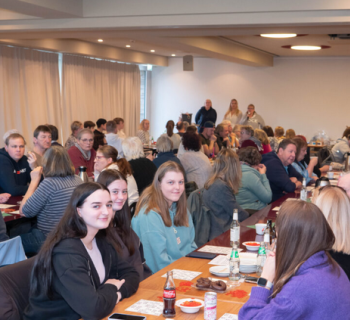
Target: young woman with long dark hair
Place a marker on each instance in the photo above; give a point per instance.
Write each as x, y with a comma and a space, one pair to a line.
77, 273
307, 282
131, 248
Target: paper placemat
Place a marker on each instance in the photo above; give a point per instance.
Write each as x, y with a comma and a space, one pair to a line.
147, 307
220, 261
183, 274
229, 316
218, 250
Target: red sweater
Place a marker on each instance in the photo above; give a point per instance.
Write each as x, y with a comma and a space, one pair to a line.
78, 160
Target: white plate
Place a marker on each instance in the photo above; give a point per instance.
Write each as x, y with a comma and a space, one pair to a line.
220, 271
189, 309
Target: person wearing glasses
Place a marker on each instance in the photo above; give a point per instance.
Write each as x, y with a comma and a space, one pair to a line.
82, 153
300, 279
335, 205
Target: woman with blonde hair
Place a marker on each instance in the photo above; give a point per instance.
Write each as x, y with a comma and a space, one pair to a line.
262, 137
233, 114
107, 158
219, 192
162, 221
300, 280
143, 133
290, 134
335, 205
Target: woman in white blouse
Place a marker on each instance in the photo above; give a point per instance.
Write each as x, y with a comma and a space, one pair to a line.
233, 114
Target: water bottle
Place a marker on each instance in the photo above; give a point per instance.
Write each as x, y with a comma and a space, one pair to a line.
235, 229
303, 191
261, 259
82, 174
234, 264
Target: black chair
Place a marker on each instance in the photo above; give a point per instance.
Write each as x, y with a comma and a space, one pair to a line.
190, 187
14, 289
132, 209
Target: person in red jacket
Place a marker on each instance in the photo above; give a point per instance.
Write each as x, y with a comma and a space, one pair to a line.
82, 153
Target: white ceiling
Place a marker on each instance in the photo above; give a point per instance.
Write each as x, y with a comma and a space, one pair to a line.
90, 20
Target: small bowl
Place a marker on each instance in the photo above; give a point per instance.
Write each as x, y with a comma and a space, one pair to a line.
189, 309
252, 248
260, 228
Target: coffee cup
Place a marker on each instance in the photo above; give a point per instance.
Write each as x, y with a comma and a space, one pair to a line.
260, 228
330, 175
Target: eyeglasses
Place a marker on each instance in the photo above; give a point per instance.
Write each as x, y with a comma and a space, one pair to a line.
88, 140
331, 186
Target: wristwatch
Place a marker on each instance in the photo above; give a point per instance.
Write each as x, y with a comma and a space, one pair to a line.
262, 282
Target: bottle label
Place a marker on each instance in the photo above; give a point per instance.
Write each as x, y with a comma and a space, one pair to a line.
262, 250
234, 234
267, 237
169, 294
236, 254
303, 194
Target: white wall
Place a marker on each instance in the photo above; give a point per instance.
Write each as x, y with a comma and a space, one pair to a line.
306, 94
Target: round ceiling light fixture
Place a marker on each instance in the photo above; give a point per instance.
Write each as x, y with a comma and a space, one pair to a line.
100, 40
278, 35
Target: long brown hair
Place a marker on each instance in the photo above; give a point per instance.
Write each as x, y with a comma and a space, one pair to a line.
71, 225
302, 231
111, 152
152, 197
227, 168
170, 128
122, 218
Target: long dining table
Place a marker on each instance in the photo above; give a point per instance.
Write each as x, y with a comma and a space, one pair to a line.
228, 302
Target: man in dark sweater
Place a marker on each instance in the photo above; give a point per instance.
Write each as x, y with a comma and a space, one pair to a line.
14, 167
204, 114
282, 176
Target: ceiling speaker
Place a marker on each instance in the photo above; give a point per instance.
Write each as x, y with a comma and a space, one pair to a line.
188, 63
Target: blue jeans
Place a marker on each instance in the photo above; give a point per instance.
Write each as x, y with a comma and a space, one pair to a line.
32, 241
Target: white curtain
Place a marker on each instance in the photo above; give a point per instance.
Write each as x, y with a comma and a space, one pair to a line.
93, 89
29, 90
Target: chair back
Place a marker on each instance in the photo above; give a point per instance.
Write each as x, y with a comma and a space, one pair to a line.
200, 216
132, 209
11, 251
190, 187
14, 289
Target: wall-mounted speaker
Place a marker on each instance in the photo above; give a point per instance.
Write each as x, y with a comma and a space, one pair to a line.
188, 63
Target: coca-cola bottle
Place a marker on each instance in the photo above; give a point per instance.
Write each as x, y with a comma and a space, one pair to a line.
169, 296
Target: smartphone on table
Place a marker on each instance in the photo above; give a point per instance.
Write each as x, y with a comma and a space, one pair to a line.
251, 279
120, 316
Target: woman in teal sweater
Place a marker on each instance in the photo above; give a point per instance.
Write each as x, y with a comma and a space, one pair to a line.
255, 192
162, 221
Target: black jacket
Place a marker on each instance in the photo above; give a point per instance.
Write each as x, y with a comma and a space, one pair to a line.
77, 291
14, 176
143, 171
204, 115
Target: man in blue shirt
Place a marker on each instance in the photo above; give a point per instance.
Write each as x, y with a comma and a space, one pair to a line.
282, 176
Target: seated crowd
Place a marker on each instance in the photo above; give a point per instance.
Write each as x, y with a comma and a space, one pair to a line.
95, 241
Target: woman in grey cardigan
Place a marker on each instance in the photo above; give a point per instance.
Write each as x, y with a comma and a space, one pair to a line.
219, 192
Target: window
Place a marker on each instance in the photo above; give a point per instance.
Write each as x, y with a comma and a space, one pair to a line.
143, 94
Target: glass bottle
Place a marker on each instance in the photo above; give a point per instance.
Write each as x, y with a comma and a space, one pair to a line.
303, 191
235, 230
234, 264
261, 259
169, 296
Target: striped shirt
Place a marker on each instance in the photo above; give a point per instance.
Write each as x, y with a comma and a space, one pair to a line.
143, 135
50, 200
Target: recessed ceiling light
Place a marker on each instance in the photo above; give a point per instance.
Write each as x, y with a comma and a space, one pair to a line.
100, 40
173, 55
279, 35
306, 47
128, 45
153, 50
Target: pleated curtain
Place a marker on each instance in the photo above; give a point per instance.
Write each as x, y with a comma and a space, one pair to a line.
93, 89
29, 90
